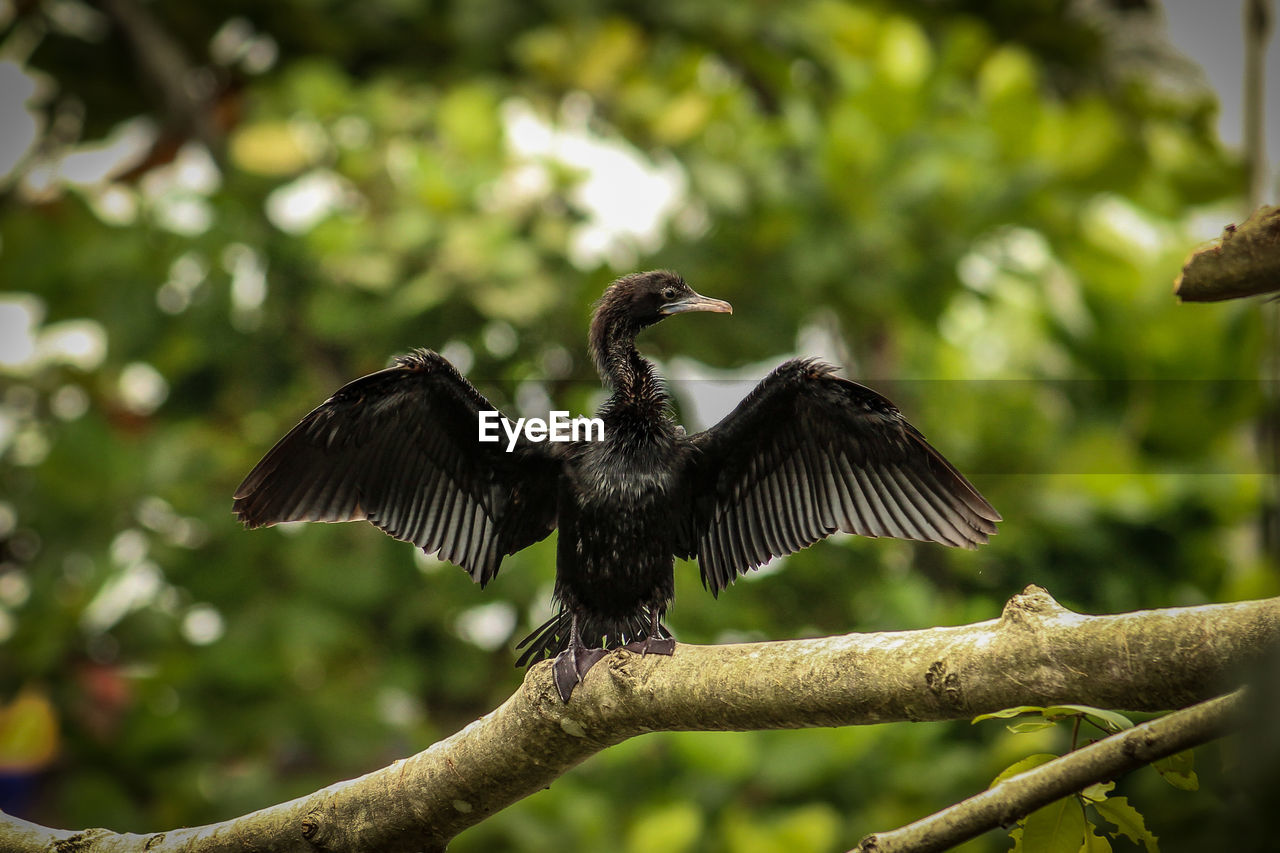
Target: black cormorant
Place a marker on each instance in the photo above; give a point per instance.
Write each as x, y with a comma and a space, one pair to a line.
807, 453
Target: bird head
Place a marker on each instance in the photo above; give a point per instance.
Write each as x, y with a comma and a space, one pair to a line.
642, 299
638, 300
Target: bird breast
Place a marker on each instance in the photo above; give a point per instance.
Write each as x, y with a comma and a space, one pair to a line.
626, 473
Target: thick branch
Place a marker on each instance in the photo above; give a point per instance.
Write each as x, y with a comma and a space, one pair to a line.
1036, 653
1103, 761
1245, 261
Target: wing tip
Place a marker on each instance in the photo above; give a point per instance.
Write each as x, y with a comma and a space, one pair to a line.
251, 513
247, 517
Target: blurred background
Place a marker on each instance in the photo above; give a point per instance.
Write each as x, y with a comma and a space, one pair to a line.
212, 215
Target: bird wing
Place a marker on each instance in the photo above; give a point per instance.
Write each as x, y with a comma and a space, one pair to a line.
400, 448
808, 453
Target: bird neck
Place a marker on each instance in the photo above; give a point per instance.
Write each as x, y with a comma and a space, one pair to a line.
622, 369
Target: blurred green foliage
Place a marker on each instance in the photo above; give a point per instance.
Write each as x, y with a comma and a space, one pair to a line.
978, 208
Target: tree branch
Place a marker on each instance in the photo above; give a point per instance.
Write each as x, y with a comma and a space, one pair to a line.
1037, 652
1245, 261
1257, 29
164, 65
1099, 762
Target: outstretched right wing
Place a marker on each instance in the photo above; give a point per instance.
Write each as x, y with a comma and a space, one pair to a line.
808, 453
400, 448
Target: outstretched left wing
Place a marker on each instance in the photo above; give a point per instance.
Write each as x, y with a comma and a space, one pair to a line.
400, 448
808, 453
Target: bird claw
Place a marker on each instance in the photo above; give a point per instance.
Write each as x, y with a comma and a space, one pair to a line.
570, 666
652, 646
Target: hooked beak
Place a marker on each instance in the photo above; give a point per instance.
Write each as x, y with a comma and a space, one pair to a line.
696, 302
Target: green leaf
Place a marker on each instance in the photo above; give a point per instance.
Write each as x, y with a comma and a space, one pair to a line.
1104, 719
1184, 782
1097, 793
1093, 842
1057, 828
1010, 712
1022, 766
1179, 771
1129, 822
1179, 762
1030, 726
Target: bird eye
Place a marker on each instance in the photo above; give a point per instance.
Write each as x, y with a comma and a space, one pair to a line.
669, 293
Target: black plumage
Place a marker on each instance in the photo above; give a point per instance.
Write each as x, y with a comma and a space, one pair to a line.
807, 453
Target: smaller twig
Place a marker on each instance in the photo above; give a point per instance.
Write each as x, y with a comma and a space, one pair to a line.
1102, 761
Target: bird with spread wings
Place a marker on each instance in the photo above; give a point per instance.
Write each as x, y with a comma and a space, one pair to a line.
805, 454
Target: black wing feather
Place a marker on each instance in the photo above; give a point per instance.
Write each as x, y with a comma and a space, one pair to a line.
399, 448
808, 453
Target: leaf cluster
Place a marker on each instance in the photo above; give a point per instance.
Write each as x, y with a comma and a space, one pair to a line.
1077, 823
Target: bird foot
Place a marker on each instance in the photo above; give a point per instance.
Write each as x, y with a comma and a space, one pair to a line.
652, 646
570, 666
